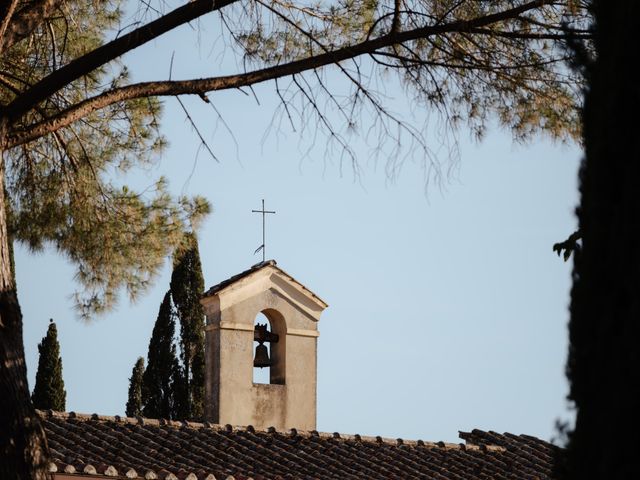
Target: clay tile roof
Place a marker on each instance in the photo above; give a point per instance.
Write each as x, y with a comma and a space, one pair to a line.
258, 266
225, 283
139, 448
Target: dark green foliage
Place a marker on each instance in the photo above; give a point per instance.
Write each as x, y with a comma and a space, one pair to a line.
174, 388
604, 330
49, 392
60, 189
134, 402
187, 285
180, 393
568, 246
196, 386
159, 377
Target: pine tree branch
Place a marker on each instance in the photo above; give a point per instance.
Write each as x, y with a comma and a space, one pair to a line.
395, 23
522, 35
7, 9
200, 86
25, 21
108, 52
569, 246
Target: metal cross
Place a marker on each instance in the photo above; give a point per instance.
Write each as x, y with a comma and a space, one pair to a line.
263, 212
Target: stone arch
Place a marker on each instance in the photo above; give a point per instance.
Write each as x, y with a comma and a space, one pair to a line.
276, 324
261, 375
278, 350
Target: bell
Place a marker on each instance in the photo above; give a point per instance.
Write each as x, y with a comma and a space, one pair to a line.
262, 357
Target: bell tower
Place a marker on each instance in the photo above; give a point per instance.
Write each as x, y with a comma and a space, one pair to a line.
286, 345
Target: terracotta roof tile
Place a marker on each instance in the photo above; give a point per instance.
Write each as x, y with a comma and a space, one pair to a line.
225, 283
258, 266
142, 448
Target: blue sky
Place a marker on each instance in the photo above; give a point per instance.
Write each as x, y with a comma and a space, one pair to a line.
448, 309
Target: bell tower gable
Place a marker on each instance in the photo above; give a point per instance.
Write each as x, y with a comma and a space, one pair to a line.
286, 344
265, 277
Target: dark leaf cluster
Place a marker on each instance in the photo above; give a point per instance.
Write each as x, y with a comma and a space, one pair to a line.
162, 375
172, 385
49, 392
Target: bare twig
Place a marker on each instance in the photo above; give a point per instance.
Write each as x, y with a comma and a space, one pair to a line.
203, 142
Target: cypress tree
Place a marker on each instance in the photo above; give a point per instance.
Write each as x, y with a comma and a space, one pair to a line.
187, 285
134, 402
49, 392
159, 378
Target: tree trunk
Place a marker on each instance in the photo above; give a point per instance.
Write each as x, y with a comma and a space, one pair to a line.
604, 330
23, 447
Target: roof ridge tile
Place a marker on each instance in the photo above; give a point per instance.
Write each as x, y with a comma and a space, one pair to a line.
243, 451
110, 471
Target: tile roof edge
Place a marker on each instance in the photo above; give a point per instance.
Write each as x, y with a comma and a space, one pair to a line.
220, 286
293, 432
87, 470
301, 285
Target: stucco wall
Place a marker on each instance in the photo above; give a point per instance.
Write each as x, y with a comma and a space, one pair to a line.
231, 395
